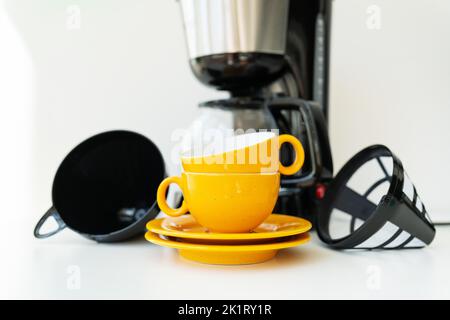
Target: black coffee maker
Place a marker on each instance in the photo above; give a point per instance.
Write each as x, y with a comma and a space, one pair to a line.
272, 56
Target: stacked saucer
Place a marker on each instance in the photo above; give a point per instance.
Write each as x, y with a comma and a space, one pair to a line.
195, 242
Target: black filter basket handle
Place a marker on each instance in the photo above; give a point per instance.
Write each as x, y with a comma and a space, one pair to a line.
406, 213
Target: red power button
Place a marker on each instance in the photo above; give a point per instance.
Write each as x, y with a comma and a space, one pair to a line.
320, 191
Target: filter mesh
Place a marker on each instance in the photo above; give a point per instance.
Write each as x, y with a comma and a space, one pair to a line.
364, 190
372, 204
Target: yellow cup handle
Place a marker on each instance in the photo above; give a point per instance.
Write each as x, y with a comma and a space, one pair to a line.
161, 197
299, 154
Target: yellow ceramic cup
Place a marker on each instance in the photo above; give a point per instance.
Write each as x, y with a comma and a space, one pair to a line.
248, 153
224, 202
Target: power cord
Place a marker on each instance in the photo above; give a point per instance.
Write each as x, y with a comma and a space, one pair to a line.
442, 224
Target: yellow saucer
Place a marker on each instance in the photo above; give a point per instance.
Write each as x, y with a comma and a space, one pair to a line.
275, 226
228, 254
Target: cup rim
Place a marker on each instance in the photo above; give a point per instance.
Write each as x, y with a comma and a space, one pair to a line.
231, 173
265, 135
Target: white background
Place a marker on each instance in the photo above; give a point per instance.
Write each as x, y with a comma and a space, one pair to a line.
126, 67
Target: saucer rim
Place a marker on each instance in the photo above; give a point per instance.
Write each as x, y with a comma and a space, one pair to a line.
292, 242
155, 226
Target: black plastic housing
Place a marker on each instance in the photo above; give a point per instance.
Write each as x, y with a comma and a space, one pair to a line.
240, 73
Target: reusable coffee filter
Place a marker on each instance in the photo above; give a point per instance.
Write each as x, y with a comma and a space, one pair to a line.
372, 204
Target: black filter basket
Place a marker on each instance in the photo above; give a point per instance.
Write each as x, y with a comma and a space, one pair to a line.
372, 204
105, 188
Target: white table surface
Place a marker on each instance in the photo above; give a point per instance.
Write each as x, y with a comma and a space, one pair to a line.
31, 268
